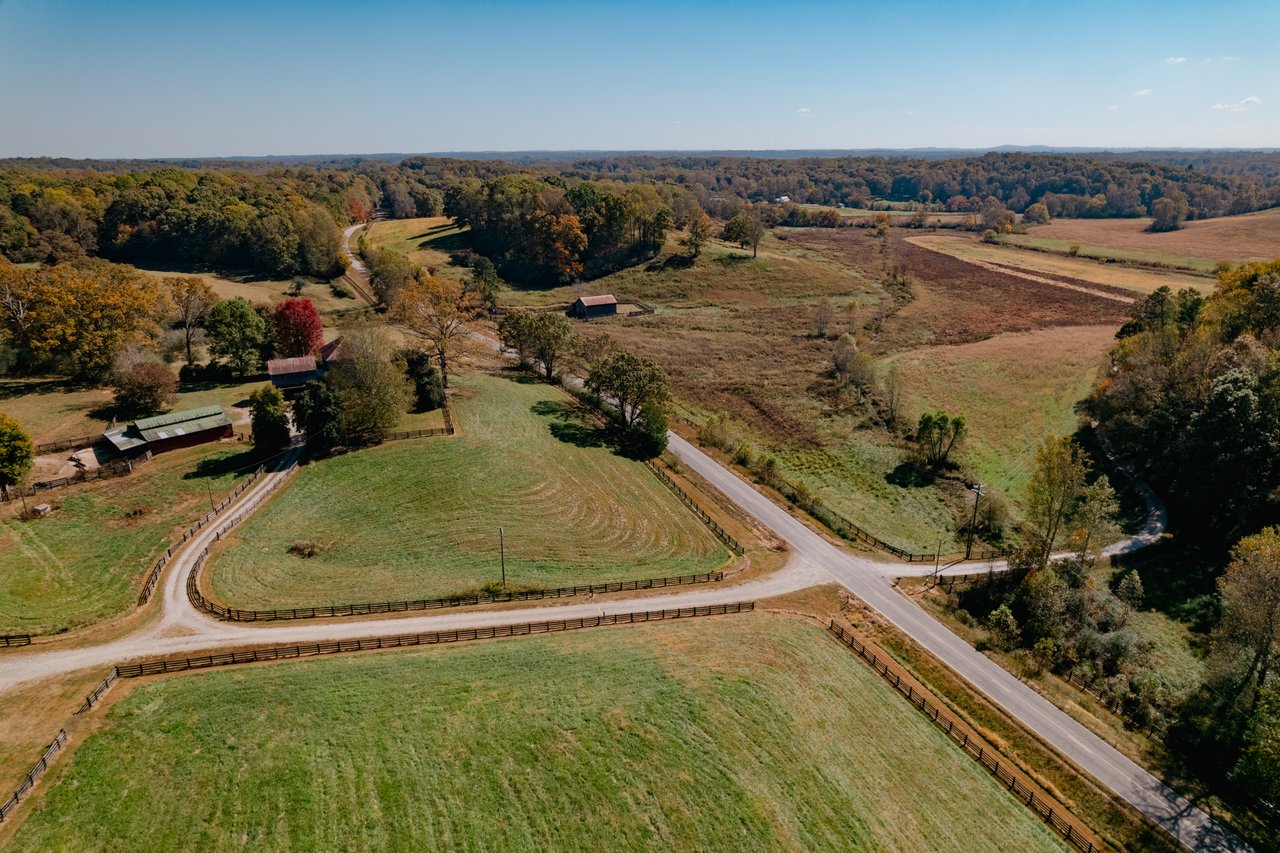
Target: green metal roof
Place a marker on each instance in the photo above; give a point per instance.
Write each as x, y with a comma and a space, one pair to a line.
186, 427
178, 417
124, 438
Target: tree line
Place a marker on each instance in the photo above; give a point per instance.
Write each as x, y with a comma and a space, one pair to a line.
281, 224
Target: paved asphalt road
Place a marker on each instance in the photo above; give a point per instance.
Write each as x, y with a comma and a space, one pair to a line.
867, 580
182, 629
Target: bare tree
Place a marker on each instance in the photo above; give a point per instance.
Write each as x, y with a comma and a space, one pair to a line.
823, 316
194, 299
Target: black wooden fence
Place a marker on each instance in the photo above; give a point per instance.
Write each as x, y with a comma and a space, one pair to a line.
720, 532
96, 696
67, 444
36, 772
122, 468
153, 576
167, 665
7, 640
234, 614
1052, 813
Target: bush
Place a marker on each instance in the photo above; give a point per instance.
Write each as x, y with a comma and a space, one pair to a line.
428, 390
144, 387
212, 372
304, 549
340, 290
270, 423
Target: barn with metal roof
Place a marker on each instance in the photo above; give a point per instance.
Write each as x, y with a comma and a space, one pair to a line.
171, 431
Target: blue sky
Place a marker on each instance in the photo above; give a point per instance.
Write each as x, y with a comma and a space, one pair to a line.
128, 78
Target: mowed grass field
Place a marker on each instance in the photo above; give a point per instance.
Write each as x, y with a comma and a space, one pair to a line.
85, 561
51, 408
1054, 267
1199, 244
257, 290
659, 737
420, 518
1012, 389
428, 241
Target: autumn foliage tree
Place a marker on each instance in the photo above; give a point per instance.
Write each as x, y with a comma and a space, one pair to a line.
298, 328
17, 453
436, 311
143, 385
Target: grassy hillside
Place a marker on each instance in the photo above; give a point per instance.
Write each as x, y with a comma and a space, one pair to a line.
1198, 245
662, 737
85, 561
420, 519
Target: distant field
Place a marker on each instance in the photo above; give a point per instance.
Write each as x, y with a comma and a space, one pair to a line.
736, 335
84, 562
1082, 270
660, 737
420, 518
50, 408
1012, 389
258, 290
1199, 244
427, 241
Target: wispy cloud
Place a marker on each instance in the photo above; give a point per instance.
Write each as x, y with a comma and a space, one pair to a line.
1175, 60
1240, 106
804, 111
1114, 107
1142, 93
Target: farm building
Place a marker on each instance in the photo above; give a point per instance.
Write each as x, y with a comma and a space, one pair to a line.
288, 374
588, 307
171, 431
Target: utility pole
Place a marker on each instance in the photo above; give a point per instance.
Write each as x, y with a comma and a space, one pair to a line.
976, 488
502, 555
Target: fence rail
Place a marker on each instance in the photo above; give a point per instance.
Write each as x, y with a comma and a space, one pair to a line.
233, 614
67, 444
36, 772
159, 667
121, 468
687, 499
1052, 813
7, 640
96, 696
153, 577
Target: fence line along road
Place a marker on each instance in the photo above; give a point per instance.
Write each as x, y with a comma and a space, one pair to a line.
153, 577
429, 638
1051, 812
96, 696
687, 499
234, 614
36, 772
8, 640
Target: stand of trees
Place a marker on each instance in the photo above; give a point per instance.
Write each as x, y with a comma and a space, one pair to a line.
548, 231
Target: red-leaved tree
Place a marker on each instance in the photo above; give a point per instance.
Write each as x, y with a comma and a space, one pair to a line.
298, 328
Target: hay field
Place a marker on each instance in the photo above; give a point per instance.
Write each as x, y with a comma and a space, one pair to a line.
658, 737
420, 518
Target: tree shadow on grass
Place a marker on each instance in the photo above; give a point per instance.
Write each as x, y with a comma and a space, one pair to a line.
573, 425
911, 475
223, 466
670, 262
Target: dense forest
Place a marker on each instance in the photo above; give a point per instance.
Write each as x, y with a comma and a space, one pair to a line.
550, 231
549, 220
282, 223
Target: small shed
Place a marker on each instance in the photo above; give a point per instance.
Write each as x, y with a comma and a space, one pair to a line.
290, 373
588, 307
171, 431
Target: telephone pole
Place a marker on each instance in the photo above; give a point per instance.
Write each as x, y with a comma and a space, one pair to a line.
973, 523
502, 555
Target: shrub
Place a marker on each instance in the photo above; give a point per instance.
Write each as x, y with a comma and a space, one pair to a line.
304, 549
270, 423
144, 387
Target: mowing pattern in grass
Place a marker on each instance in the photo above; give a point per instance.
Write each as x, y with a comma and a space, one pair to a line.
659, 737
85, 561
420, 519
